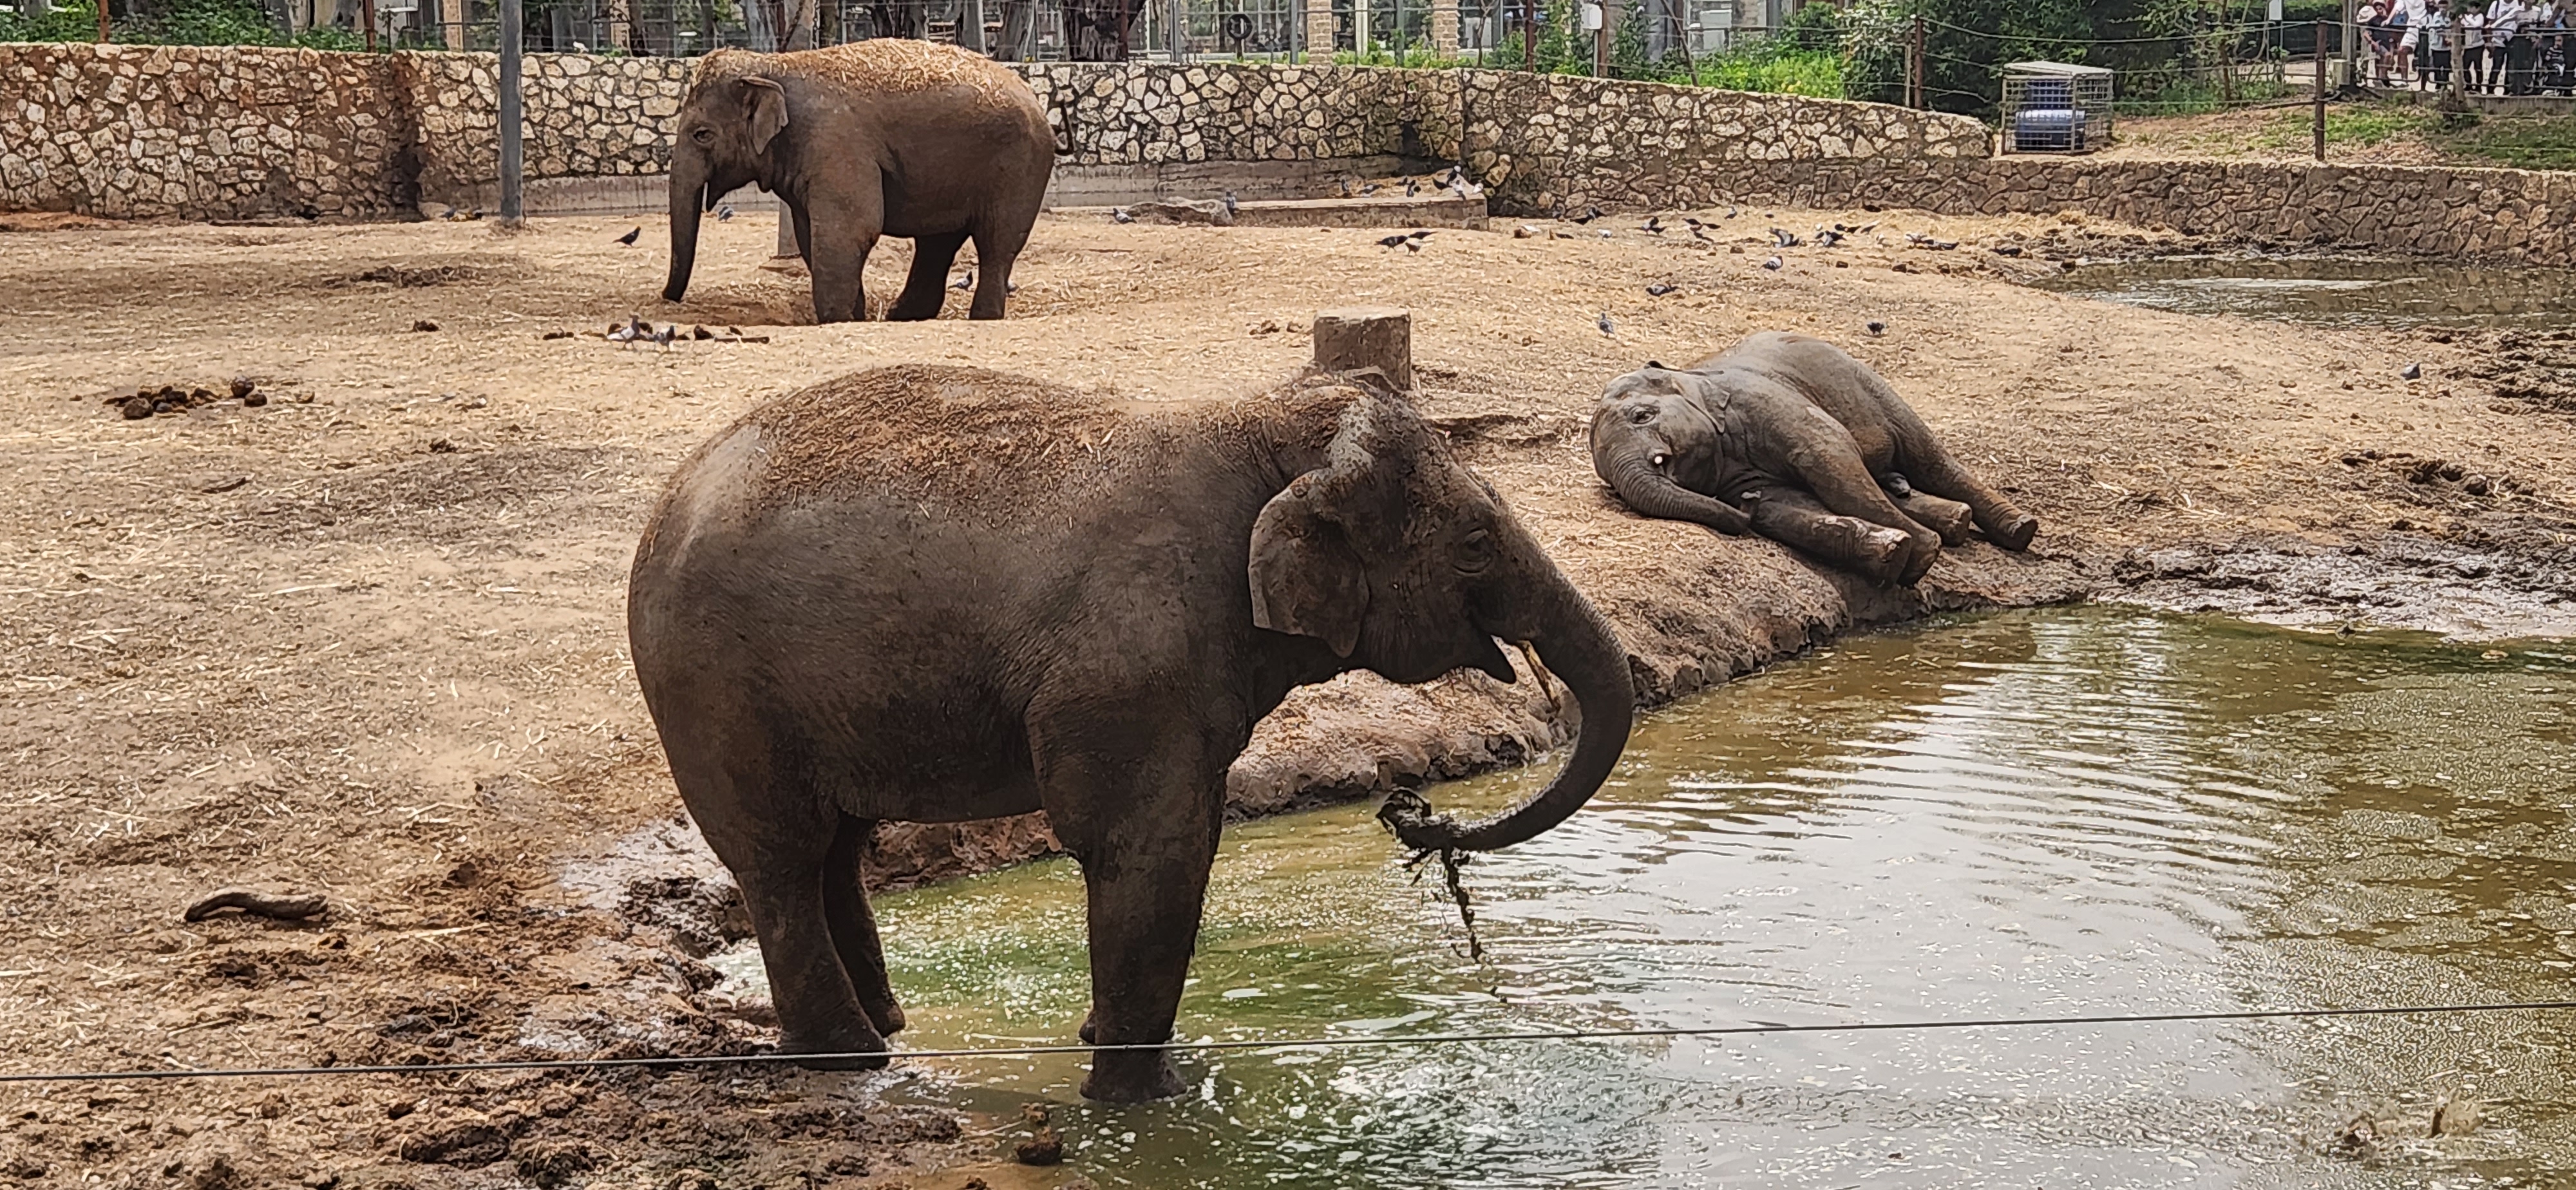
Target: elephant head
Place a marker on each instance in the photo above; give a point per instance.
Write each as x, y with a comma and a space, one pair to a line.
1407, 564
728, 138
1652, 427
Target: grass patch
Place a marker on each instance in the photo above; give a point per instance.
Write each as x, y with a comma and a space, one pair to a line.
2363, 124
2520, 142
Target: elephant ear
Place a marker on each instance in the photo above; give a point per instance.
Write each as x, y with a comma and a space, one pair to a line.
766, 102
1308, 578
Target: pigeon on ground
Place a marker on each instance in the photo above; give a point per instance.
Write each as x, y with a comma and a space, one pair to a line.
1422, 234
579, 48
1369, 189
1730, 212
1605, 233
723, 213
1604, 323
1827, 237
1701, 234
1229, 204
1877, 328
964, 281
663, 336
1120, 215
622, 334
1659, 289
2412, 372
1589, 214
448, 215
629, 238
1394, 241
1411, 188
1772, 264
1654, 225
1413, 245
1782, 238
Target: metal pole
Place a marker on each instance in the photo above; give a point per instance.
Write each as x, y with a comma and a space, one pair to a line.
2321, 91
512, 151
369, 14
1914, 64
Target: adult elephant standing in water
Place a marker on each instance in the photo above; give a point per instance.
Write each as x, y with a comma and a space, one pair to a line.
1789, 437
884, 137
936, 594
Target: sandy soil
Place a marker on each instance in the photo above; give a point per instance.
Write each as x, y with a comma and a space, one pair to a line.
366, 640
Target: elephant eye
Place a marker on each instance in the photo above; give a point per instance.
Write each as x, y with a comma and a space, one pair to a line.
704, 136
1475, 552
1642, 414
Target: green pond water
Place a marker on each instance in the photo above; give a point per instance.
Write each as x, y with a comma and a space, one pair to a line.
2043, 813
2331, 289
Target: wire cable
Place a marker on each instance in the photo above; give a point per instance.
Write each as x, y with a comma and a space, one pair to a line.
1358, 1042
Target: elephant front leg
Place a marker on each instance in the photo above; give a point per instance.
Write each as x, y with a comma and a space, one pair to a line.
838, 237
1136, 802
926, 289
1794, 518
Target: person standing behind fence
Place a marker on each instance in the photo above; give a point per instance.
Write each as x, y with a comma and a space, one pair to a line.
2471, 31
2406, 20
2374, 38
2508, 29
2437, 45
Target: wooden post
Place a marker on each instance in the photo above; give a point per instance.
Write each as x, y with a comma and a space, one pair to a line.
513, 151
2321, 91
367, 12
104, 36
1914, 65
1356, 337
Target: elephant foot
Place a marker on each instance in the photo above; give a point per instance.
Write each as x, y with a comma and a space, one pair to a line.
861, 1048
1918, 563
2016, 534
1881, 554
1131, 1077
908, 309
1090, 1030
887, 1017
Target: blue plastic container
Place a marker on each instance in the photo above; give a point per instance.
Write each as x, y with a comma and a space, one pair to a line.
2048, 130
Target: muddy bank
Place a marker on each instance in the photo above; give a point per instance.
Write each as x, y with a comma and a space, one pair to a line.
366, 641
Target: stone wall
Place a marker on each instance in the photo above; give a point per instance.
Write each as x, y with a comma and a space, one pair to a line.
146, 131
205, 133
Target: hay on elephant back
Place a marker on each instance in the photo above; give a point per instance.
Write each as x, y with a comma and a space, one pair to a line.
890, 64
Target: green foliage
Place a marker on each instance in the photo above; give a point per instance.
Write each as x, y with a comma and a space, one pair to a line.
77, 22
206, 22
2525, 142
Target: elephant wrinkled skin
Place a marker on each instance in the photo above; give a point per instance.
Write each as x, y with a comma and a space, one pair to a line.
884, 137
936, 594
1788, 437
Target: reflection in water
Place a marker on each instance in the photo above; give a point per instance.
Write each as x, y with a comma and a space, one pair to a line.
2331, 289
2032, 813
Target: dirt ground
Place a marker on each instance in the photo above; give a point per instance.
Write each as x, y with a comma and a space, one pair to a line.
366, 640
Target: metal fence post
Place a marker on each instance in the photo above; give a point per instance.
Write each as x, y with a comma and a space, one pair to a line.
512, 151
2321, 91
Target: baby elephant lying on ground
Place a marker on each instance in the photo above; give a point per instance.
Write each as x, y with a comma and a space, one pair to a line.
1788, 437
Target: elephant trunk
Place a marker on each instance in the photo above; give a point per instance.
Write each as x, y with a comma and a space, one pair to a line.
1578, 645
688, 201
1653, 493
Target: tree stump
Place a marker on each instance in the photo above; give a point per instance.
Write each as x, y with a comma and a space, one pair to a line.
1356, 337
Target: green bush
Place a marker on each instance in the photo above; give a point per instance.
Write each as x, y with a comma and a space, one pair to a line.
70, 23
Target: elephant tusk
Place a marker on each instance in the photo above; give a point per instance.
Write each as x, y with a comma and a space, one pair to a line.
1661, 459
1529, 653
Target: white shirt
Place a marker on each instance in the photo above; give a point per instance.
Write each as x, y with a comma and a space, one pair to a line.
2505, 19
2473, 31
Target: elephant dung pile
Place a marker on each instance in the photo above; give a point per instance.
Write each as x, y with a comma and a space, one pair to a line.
170, 398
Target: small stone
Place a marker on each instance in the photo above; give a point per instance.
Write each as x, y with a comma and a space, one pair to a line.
1045, 1148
